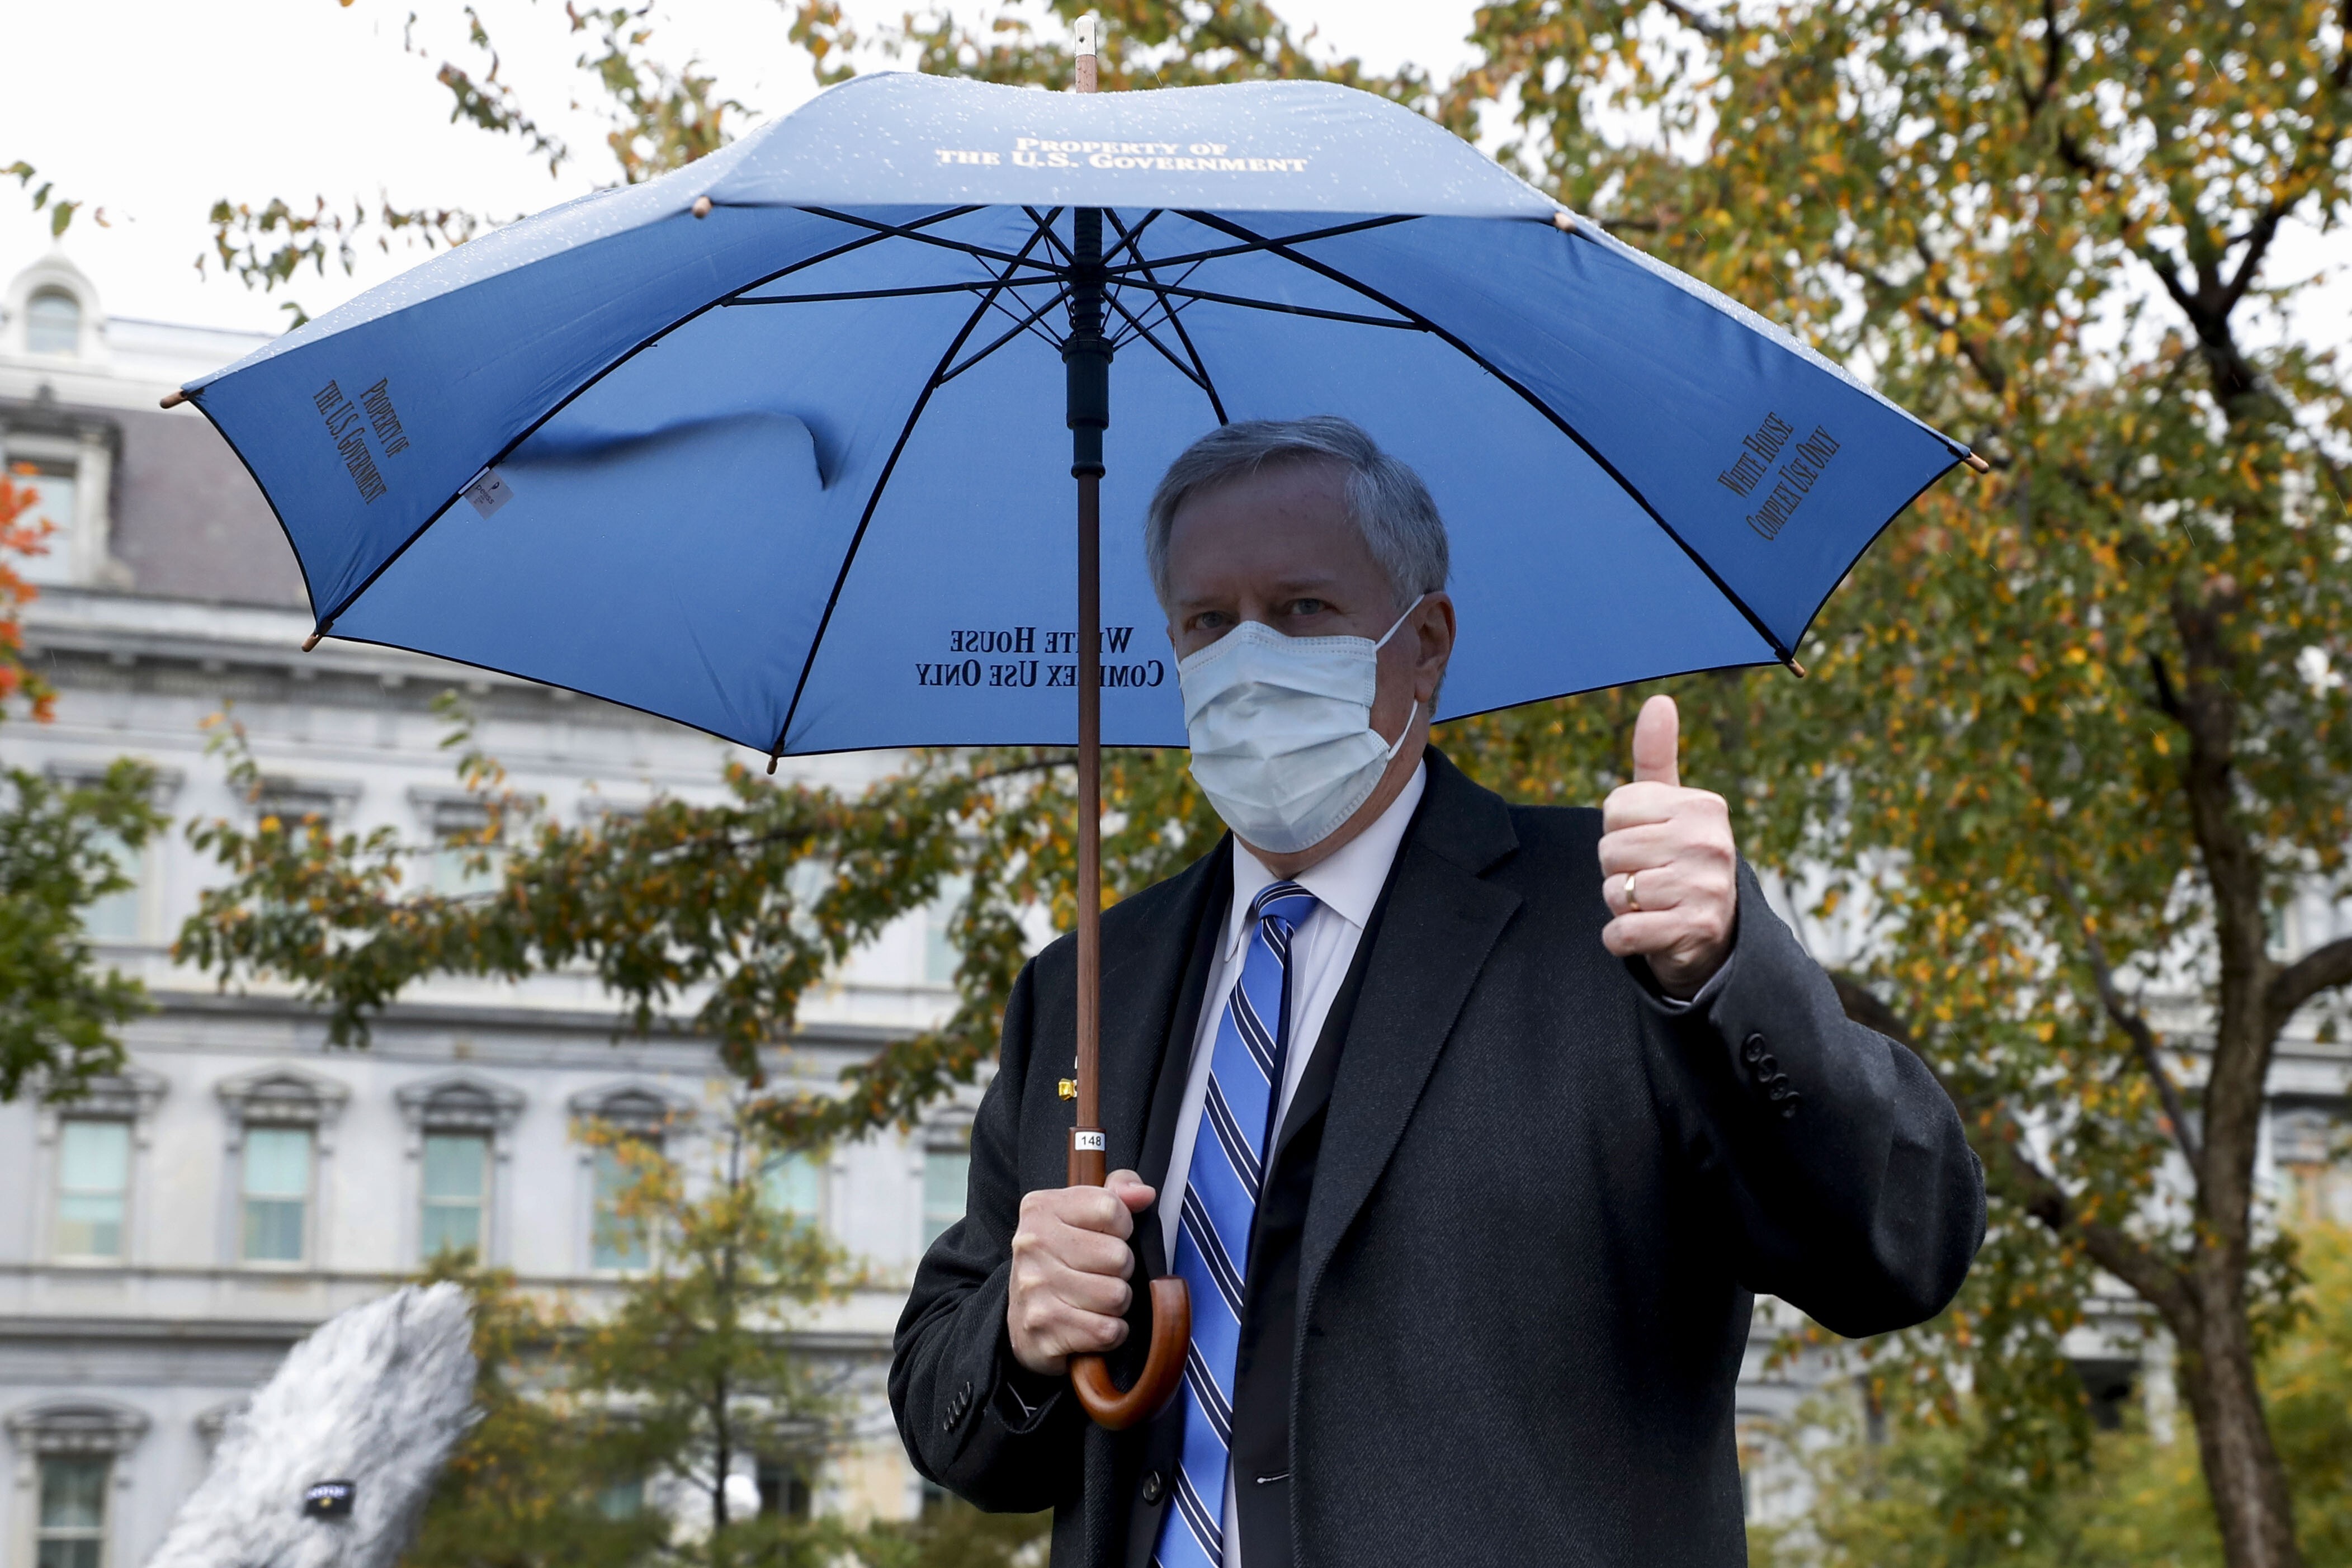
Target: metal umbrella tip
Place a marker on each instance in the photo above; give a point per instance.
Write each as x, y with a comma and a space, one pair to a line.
311, 641
702, 206
173, 398
1975, 463
1564, 221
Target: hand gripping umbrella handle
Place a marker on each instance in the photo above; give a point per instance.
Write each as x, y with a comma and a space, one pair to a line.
1163, 1368
1172, 1327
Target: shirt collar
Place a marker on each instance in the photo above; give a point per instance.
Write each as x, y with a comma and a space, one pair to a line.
1348, 882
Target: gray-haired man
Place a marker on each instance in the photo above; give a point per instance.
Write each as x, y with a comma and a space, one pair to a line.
1472, 1126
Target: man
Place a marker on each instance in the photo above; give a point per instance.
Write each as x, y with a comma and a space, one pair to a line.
1471, 1127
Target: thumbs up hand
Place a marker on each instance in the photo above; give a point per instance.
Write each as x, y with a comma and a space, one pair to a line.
1668, 867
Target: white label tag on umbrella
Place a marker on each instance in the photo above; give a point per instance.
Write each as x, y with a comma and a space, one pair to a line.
1090, 1140
488, 492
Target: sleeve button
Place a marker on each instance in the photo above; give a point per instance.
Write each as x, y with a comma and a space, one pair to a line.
1155, 1486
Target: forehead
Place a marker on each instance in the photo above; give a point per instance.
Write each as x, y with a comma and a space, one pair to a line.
1284, 525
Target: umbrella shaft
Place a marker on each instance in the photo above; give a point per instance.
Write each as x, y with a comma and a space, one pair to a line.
1086, 356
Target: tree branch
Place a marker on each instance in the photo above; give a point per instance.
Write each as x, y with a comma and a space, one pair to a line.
2134, 1024
1706, 28
2321, 969
2034, 1190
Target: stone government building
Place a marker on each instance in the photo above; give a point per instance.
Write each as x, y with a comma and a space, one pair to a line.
164, 1240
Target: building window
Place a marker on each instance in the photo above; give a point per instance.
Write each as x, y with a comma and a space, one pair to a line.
940, 955
460, 1130
465, 859
277, 1191
118, 916
72, 1522
93, 1187
53, 323
622, 1500
53, 486
457, 1193
616, 1242
793, 1185
946, 1173
785, 1491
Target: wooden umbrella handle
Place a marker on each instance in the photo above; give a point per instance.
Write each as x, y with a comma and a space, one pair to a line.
1163, 1368
1088, 356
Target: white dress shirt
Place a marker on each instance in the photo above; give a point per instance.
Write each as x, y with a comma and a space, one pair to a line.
1345, 885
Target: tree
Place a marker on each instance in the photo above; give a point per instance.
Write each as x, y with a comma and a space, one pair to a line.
2139, 1502
59, 853
527, 1487
694, 1365
2076, 740
688, 1371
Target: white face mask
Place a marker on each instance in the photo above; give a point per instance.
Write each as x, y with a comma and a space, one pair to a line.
1283, 743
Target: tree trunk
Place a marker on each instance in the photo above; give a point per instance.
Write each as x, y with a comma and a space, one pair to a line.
2252, 1505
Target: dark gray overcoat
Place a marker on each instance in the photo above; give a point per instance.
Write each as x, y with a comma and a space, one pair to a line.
1521, 1280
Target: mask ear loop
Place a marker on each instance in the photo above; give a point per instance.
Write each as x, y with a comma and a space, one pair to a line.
1400, 620
1414, 711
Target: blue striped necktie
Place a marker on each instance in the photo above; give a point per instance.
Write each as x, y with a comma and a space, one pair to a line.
1221, 1190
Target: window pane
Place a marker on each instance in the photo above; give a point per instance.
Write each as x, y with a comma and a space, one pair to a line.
115, 917
93, 1170
273, 1230
89, 1225
70, 1530
793, 1184
456, 1164
946, 1173
94, 1156
53, 502
277, 1163
73, 1493
52, 323
616, 1242
452, 1227
457, 1185
940, 955
622, 1500
277, 1190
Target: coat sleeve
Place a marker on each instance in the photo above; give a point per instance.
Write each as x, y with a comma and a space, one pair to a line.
970, 1417
1853, 1194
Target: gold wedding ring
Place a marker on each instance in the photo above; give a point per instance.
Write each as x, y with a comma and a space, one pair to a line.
1632, 900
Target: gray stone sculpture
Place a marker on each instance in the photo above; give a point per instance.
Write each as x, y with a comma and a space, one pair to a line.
376, 1397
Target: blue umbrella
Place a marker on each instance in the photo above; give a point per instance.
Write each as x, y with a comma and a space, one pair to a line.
769, 445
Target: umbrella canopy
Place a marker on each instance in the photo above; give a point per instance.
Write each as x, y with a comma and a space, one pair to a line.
774, 445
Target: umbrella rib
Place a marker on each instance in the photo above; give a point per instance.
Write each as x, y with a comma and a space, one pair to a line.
1281, 248
973, 286
873, 499
983, 252
1144, 332
1259, 243
1132, 240
1023, 324
1246, 303
503, 453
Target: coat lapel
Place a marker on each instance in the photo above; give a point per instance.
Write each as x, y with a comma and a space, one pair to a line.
1145, 956
1441, 923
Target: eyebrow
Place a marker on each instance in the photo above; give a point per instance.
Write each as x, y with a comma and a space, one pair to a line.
1284, 588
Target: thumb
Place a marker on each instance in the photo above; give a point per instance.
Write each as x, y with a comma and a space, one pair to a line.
1132, 1190
1656, 736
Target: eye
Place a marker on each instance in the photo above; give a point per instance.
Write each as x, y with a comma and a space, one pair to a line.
1212, 621
1308, 607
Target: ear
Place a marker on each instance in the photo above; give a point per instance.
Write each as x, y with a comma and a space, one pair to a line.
1433, 628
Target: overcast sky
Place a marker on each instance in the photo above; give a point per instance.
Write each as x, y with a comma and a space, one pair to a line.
155, 108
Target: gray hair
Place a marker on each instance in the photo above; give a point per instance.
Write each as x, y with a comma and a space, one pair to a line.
1386, 500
